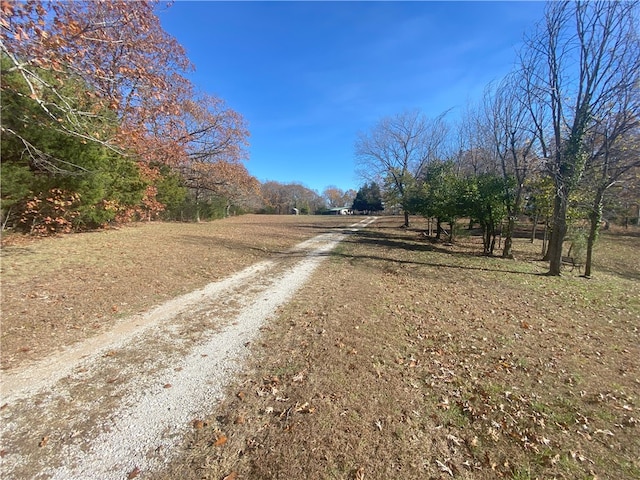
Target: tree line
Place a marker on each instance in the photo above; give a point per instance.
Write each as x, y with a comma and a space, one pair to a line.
287, 198
557, 139
100, 125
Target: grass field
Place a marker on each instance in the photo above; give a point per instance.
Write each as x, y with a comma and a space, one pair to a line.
401, 358
407, 359
56, 291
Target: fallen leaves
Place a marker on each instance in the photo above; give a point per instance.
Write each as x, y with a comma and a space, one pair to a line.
221, 440
304, 408
466, 388
444, 468
133, 473
198, 424
444, 404
455, 440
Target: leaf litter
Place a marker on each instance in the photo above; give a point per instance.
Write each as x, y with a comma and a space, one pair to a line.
538, 374
150, 353
464, 369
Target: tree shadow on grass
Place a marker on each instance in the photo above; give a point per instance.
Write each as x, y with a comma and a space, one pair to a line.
396, 241
628, 275
386, 237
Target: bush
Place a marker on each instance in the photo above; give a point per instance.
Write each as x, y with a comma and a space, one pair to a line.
49, 214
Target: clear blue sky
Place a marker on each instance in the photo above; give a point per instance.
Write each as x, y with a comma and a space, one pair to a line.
308, 76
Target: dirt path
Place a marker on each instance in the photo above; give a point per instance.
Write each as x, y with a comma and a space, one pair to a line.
113, 406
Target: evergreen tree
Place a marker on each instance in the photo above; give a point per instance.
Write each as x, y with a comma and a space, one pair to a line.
52, 181
368, 199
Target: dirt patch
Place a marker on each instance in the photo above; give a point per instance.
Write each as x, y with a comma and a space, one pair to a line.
412, 359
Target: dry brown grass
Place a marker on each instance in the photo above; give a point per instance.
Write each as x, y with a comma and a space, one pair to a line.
56, 291
401, 358
408, 359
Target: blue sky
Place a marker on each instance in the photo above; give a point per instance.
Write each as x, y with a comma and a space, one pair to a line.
309, 76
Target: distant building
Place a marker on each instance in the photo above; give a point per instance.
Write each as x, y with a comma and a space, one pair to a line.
340, 211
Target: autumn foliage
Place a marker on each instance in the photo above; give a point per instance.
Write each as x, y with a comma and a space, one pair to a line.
96, 104
49, 213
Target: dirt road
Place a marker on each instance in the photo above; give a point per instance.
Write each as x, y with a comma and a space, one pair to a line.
115, 405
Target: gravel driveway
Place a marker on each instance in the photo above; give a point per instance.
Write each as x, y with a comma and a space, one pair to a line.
115, 406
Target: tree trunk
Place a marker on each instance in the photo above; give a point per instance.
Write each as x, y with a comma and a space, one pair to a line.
438, 229
557, 234
545, 239
493, 243
486, 238
513, 213
6, 219
595, 218
406, 219
508, 239
536, 217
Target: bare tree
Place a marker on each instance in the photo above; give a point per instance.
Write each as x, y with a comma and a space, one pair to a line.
476, 150
608, 166
282, 198
336, 197
397, 149
580, 59
512, 136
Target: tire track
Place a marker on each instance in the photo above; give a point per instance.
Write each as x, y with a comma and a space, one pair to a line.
121, 401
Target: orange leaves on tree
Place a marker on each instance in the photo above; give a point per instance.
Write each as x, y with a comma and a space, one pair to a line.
113, 47
7, 8
336, 197
106, 71
50, 212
